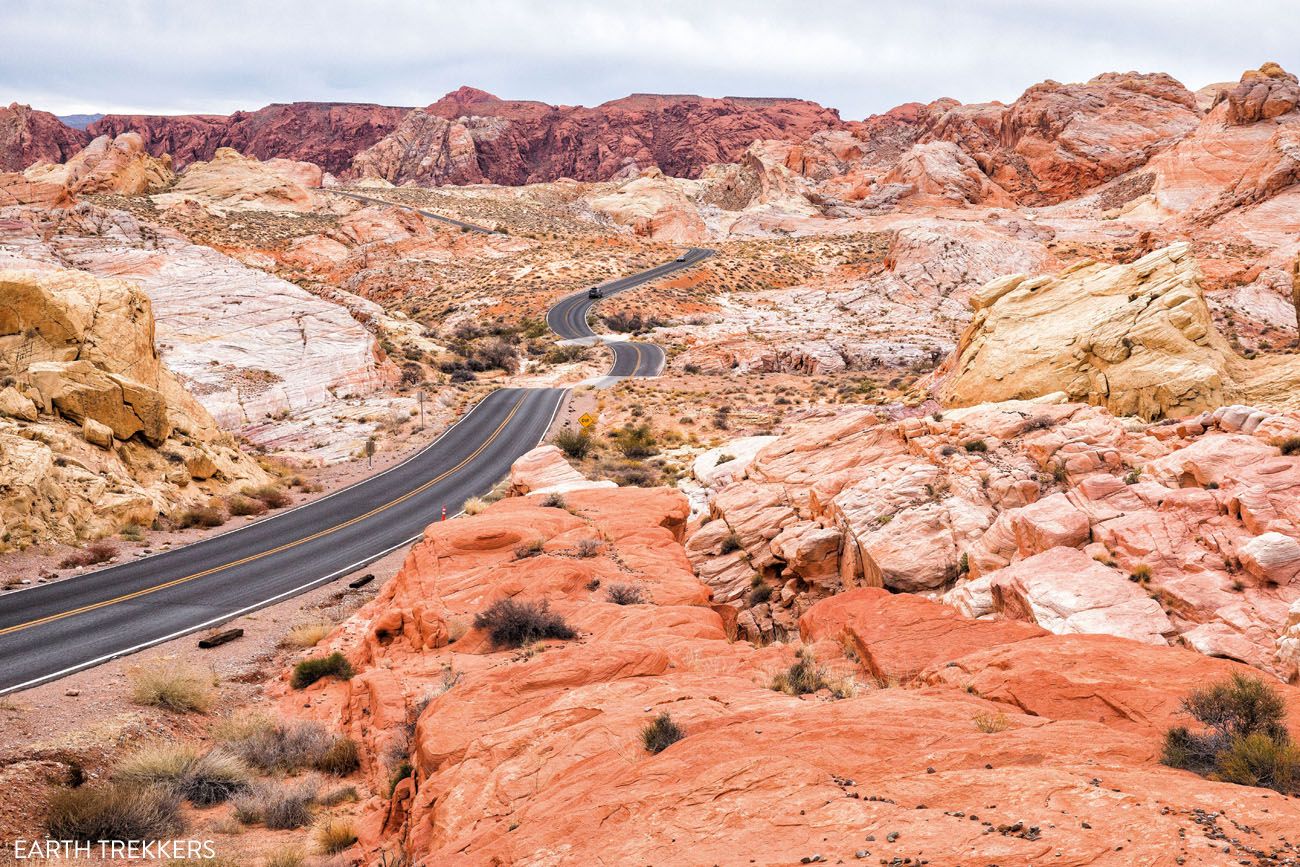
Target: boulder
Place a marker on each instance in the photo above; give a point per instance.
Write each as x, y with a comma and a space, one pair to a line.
15, 404
97, 434
545, 471
80, 391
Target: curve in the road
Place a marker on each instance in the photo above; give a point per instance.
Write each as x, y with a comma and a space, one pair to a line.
52, 630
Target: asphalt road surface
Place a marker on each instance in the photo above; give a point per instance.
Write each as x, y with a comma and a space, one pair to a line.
568, 318
51, 630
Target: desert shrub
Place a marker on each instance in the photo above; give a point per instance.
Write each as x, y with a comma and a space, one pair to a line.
804, 676
512, 623
241, 506
574, 443
1261, 760
92, 555
731, 543
459, 376
588, 547
340, 758
565, 354
278, 806
661, 734
759, 594
401, 772
1141, 573
202, 778
991, 723
1244, 737
474, 505
555, 501
637, 442
113, 812
311, 670
280, 747
335, 835
273, 496
179, 688
1039, 422
307, 634
524, 550
1290, 446
976, 446
201, 516
625, 594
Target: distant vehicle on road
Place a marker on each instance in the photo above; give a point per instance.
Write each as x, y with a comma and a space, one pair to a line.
595, 292
681, 258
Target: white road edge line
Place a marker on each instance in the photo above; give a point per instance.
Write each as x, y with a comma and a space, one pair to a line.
256, 605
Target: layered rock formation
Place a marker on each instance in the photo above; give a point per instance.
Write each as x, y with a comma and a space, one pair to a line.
1135, 338
1052, 513
233, 181
247, 344
95, 432
28, 137
118, 165
535, 756
470, 136
327, 134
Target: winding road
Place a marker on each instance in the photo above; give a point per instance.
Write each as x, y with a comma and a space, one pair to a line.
52, 630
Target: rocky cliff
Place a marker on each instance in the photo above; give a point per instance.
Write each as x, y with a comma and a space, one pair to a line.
95, 431
327, 134
926, 736
28, 136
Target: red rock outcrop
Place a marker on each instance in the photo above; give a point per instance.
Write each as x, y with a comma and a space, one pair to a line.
28, 136
1010, 746
470, 136
325, 133
1263, 94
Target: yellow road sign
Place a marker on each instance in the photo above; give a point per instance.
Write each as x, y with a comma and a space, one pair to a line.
586, 420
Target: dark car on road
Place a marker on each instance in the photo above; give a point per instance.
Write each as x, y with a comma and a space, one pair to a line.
595, 292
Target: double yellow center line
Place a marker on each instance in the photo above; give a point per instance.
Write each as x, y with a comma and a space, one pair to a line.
126, 597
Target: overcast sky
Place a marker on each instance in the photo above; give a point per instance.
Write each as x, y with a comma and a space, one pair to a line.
860, 57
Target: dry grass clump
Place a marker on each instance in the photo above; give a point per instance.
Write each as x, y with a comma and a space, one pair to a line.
92, 555
286, 856
475, 506
271, 496
201, 516
991, 723
202, 778
335, 835
286, 748
524, 550
176, 687
114, 812
803, 677
241, 506
625, 594
587, 548
307, 634
278, 806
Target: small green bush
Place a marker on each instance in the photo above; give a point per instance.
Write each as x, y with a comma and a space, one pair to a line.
1244, 739
661, 734
311, 670
575, 444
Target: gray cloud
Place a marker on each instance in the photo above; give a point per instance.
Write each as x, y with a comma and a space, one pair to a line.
859, 57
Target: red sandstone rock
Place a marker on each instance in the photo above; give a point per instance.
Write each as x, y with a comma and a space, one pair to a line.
28, 136
327, 134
